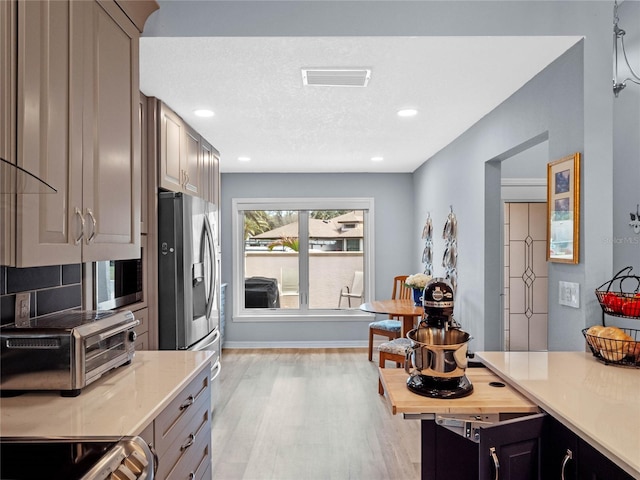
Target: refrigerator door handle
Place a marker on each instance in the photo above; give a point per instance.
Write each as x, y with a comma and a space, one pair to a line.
214, 340
217, 368
212, 260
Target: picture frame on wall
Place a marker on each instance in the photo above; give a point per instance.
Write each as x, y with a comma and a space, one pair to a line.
563, 209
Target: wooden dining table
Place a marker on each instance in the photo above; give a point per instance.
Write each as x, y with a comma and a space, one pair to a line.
403, 308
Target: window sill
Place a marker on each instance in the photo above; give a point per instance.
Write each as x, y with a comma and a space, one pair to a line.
280, 316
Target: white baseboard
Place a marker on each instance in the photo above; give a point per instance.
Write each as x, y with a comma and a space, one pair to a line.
299, 344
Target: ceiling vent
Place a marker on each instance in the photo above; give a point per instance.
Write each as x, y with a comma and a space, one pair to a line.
336, 77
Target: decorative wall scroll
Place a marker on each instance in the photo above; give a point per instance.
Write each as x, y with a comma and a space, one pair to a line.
450, 256
563, 209
427, 253
635, 220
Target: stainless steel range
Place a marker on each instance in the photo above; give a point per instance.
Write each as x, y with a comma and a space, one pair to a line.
94, 458
65, 351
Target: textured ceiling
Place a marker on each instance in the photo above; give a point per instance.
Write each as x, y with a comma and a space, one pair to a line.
263, 111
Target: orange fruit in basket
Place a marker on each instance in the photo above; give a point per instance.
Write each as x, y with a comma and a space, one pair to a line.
634, 350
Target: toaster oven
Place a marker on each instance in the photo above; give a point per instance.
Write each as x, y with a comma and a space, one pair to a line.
65, 351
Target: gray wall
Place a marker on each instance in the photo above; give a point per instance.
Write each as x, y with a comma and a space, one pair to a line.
393, 199
547, 107
626, 150
572, 104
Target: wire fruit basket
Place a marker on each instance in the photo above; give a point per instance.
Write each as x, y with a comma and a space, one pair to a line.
620, 296
614, 351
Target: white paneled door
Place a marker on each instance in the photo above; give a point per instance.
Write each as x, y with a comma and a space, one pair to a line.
525, 276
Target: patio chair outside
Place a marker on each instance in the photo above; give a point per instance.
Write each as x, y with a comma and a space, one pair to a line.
289, 281
356, 290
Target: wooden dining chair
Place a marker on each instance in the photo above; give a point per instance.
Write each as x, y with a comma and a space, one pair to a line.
390, 328
394, 351
400, 290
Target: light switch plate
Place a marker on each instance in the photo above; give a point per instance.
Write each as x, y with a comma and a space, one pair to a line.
569, 294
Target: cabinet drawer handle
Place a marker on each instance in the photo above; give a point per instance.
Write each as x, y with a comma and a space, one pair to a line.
565, 460
81, 217
496, 462
188, 403
192, 437
94, 223
192, 475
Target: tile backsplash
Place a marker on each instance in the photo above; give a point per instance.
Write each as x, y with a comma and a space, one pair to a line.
52, 289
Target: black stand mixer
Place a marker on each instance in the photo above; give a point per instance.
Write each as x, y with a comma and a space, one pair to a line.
438, 349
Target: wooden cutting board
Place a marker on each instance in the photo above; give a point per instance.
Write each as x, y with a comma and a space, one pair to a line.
485, 398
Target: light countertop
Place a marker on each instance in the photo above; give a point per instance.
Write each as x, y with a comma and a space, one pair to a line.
598, 402
123, 402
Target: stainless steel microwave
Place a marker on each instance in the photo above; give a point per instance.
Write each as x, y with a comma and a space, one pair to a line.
118, 283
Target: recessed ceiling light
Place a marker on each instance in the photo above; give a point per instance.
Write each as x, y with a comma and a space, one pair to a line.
244, 159
407, 112
377, 159
203, 113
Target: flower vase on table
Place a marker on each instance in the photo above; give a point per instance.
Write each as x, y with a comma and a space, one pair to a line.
417, 296
417, 282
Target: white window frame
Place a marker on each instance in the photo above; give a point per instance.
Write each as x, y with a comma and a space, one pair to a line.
242, 314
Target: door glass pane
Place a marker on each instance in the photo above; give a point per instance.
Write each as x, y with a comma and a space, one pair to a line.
271, 262
336, 259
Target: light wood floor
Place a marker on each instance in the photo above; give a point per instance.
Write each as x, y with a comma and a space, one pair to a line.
308, 414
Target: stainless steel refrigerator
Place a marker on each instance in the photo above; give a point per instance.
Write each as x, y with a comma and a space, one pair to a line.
188, 275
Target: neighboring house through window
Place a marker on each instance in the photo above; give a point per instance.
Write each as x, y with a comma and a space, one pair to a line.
301, 258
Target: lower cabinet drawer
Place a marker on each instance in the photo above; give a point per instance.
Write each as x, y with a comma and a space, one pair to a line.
191, 449
196, 461
207, 474
170, 424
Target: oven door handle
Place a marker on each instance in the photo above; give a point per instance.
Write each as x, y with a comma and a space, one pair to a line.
115, 331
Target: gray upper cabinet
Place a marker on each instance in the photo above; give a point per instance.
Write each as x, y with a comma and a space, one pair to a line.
180, 158
8, 65
211, 169
172, 152
193, 163
187, 163
78, 127
111, 143
143, 123
49, 130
